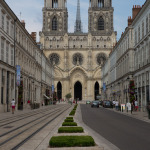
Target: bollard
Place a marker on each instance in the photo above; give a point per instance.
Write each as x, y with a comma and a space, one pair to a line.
122, 108
131, 110
127, 109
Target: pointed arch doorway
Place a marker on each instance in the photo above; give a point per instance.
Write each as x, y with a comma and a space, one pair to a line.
59, 91
96, 90
78, 91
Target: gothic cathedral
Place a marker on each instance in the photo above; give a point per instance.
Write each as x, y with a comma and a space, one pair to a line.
77, 57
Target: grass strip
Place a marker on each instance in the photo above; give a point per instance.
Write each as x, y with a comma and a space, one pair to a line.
70, 130
69, 124
71, 141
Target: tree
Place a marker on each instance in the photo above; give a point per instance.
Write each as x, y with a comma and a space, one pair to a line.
68, 96
131, 91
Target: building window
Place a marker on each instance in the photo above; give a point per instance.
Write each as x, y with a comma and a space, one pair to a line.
57, 46
100, 3
142, 29
139, 34
12, 30
7, 26
2, 49
3, 21
77, 59
97, 46
146, 24
12, 56
54, 23
54, 59
135, 37
149, 22
7, 52
74, 46
101, 58
54, 3
50, 46
80, 46
100, 23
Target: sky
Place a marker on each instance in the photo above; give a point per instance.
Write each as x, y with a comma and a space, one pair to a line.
31, 12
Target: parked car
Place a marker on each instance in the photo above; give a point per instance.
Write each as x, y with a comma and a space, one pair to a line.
108, 104
88, 102
95, 104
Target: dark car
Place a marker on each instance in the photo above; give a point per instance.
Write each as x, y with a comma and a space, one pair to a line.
95, 104
108, 104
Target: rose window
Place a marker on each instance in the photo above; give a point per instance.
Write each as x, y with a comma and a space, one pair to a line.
101, 58
54, 59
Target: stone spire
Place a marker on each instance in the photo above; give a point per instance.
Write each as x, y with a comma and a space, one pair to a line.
78, 24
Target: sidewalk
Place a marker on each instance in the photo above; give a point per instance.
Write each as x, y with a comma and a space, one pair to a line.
141, 115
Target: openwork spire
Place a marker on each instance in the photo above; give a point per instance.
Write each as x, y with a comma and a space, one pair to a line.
78, 24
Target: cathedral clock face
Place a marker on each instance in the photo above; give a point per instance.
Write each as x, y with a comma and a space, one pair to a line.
54, 59
77, 59
101, 58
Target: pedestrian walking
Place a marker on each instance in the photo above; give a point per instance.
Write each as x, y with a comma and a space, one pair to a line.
148, 109
116, 104
13, 105
136, 105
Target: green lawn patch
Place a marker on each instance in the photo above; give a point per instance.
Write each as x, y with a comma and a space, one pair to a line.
69, 120
69, 124
71, 141
70, 130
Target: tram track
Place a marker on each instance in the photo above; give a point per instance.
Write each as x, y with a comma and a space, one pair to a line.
1, 135
24, 116
25, 134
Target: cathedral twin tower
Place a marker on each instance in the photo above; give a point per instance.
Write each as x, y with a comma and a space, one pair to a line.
77, 57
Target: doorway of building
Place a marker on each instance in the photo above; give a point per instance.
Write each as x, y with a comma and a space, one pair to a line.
78, 91
59, 91
96, 90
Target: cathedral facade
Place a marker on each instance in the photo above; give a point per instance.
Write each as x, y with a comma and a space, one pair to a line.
77, 57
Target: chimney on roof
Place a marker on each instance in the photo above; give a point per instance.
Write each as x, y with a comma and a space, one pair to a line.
135, 10
130, 20
23, 23
33, 35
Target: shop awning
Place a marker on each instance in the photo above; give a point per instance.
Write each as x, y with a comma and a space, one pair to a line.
46, 96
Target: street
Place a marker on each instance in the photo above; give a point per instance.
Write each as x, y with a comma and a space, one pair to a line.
124, 132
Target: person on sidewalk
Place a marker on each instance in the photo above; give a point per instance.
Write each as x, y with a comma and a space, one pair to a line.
148, 109
136, 105
116, 104
13, 106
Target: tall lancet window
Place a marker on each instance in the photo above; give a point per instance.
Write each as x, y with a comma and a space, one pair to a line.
100, 3
54, 23
54, 3
100, 23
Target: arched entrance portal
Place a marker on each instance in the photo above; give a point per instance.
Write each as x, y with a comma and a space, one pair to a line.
78, 91
59, 91
96, 90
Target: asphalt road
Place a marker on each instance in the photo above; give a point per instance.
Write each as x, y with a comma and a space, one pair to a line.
125, 132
